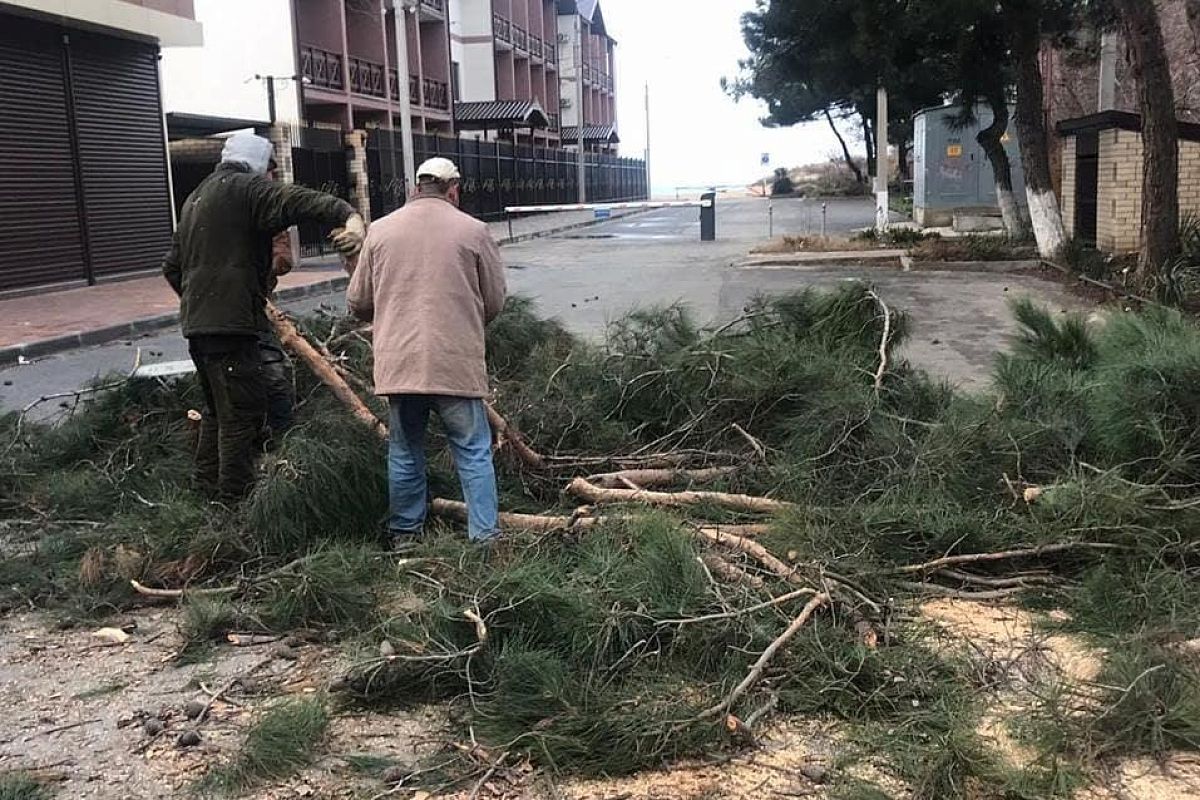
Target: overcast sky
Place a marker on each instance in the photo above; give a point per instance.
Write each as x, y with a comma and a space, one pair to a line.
683, 47
698, 134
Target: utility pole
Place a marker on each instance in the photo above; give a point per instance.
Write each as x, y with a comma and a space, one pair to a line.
881, 159
582, 175
269, 80
401, 8
649, 193
387, 66
1108, 72
271, 99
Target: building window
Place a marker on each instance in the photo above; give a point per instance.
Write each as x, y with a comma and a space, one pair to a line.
455, 80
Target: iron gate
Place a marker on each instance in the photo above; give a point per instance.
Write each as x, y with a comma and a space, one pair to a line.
385, 171
319, 162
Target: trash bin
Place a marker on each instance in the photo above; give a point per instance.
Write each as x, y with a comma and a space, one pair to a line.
708, 217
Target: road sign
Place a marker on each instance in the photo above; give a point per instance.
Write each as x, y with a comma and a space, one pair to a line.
603, 213
766, 159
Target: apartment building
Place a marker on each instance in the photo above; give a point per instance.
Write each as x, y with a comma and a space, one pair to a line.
83, 167
504, 54
514, 62
347, 58
589, 84
496, 70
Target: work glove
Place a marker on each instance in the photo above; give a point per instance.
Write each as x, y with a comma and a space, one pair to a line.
349, 239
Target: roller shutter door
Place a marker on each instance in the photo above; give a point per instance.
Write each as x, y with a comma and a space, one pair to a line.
83, 172
40, 237
119, 126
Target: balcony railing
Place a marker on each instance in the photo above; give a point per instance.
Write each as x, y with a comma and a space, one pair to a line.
519, 38
502, 28
366, 77
436, 5
321, 68
414, 88
551, 53
535, 46
437, 94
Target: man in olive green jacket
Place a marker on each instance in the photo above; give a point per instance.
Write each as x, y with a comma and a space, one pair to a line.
220, 265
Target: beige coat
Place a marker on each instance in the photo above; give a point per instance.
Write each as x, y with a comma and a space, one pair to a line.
430, 278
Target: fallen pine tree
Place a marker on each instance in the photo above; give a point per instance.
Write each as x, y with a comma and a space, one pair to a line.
808, 482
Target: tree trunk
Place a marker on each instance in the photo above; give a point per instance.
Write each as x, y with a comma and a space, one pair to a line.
903, 150
1034, 141
850, 162
1193, 17
1160, 136
869, 140
997, 156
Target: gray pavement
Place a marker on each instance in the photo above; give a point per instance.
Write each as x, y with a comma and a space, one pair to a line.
589, 276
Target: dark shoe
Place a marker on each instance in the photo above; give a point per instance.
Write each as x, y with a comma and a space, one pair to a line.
489, 547
404, 541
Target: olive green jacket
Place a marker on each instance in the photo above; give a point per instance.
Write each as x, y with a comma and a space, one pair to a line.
220, 259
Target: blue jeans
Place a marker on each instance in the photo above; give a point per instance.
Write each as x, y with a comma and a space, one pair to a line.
470, 435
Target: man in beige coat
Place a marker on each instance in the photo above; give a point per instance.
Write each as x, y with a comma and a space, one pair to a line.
430, 278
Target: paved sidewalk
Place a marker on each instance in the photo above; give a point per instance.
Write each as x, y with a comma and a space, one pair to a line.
47, 322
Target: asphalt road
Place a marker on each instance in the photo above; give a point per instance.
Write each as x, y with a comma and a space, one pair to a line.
589, 276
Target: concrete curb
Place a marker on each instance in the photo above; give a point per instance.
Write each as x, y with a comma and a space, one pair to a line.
525, 237
138, 327
1015, 265
823, 259
126, 330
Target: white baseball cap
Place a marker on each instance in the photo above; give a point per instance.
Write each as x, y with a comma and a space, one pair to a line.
441, 169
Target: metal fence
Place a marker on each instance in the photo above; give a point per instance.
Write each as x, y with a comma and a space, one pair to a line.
495, 174
499, 174
319, 162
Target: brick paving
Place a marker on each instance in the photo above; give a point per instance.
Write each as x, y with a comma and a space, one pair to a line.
49, 315
56, 320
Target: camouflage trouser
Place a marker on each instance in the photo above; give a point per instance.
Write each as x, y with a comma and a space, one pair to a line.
235, 398
277, 374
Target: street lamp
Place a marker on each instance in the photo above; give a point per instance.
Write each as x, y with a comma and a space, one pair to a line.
401, 7
270, 81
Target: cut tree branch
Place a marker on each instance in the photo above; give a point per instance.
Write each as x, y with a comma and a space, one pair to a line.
294, 341
524, 522
582, 519
582, 488
883, 341
774, 601
1031, 552
756, 671
323, 365
647, 478
731, 572
149, 591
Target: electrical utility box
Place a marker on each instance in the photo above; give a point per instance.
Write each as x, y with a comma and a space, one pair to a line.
951, 174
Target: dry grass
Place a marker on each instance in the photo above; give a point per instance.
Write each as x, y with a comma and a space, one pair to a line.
816, 244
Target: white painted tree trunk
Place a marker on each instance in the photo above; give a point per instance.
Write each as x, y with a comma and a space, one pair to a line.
1047, 221
1010, 212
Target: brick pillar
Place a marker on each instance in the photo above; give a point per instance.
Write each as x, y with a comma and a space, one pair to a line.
280, 135
360, 183
1067, 183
